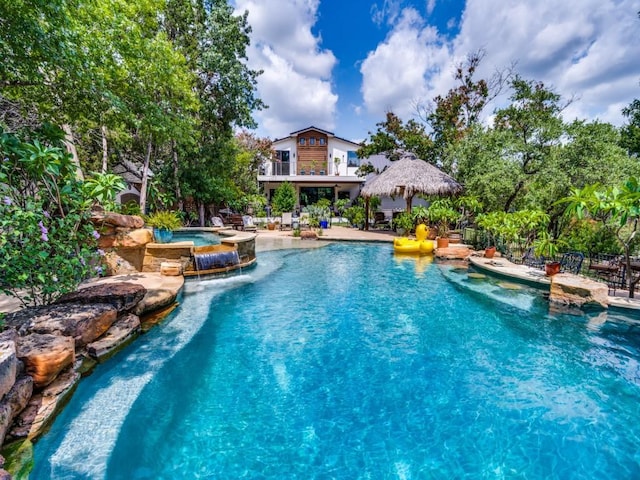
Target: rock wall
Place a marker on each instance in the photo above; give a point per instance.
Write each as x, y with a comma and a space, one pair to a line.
44, 350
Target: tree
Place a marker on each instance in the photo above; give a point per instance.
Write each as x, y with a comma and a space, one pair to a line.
630, 132
393, 137
618, 207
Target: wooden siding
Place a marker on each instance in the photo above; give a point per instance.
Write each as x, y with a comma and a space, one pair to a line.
310, 156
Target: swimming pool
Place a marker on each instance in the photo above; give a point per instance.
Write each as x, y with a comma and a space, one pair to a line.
345, 362
200, 238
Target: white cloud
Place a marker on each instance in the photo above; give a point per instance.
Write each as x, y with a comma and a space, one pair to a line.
582, 48
587, 49
296, 83
397, 72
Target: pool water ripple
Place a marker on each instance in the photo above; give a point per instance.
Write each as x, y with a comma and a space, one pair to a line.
346, 363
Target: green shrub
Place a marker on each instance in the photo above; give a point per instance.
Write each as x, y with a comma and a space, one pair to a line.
164, 219
47, 243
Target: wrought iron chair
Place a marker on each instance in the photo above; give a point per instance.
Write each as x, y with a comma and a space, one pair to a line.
571, 262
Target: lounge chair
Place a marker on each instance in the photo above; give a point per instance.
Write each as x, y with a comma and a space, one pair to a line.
286, 221
248, 225
217, 222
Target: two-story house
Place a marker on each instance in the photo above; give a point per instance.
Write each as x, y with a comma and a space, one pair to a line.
317, 163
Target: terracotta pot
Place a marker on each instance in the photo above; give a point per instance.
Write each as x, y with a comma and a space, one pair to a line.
552, 268
489, 252
443, 242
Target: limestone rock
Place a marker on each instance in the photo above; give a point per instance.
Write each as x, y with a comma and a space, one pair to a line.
170, 269
453, 253
43, 406
122, 295
84, 323
14, 402
121, 333
574, 290
116, 220
117, 265
45, 356
8, 365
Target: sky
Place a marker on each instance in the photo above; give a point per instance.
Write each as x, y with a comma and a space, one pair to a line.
340, 65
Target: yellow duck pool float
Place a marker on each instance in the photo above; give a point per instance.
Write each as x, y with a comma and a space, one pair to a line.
420, 245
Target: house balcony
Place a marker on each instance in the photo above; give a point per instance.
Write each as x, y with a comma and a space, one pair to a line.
286, 171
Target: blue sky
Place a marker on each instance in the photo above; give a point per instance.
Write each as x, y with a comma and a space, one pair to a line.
341, 64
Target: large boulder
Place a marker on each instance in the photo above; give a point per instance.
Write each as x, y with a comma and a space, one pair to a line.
43, 407
45, 356
113, 237
116, 220
84, 323
8, 361
123, 331
574, 290
14, 402
124, 296
453, 253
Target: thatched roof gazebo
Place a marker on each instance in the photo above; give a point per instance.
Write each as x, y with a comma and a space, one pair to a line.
408, 177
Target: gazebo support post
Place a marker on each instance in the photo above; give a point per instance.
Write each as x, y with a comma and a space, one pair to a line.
366, 213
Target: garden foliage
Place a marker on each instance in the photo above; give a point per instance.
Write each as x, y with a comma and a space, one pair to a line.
47, 244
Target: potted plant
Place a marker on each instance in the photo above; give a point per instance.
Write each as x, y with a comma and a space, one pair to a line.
403, 223
546, 247
163, 222
442, 215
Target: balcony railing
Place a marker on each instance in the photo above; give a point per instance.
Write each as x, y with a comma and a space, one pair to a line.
280, 168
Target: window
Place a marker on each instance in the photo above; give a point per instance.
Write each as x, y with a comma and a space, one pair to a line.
352, 159
302, 142
312, 141
322, 141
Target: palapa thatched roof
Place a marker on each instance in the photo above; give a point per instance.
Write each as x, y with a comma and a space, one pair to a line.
409, 176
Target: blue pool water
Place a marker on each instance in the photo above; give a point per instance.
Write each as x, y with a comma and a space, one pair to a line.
199, 238
347, 363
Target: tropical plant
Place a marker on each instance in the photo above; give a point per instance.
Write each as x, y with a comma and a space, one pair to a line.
284, 198
340, 205
403, 221
164, 219
545, 246
103, 188
618, 207
355, 215
442, 214
47, 243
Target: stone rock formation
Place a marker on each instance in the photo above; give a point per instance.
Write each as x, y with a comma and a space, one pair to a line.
14, 402
121, 332
45, 356
123, 295
453, 253
574, 290
84, 323
43, 406
116, 220
8, 362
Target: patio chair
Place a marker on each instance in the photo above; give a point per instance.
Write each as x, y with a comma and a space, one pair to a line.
380, 221
217, 222
304, 220
530, 260
571, 262
248, 225
286, 221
